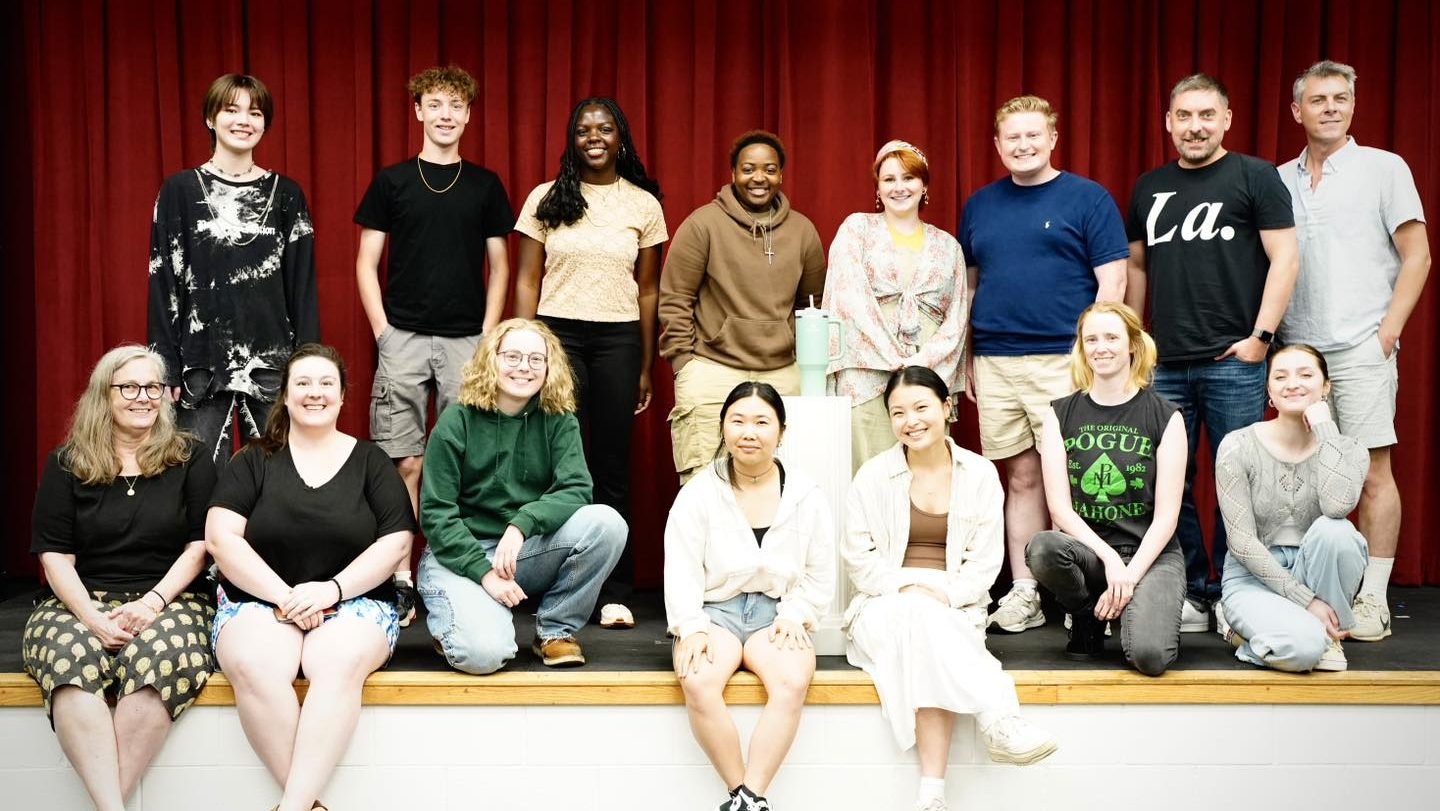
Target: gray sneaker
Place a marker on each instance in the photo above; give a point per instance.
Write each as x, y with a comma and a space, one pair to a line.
1019, 610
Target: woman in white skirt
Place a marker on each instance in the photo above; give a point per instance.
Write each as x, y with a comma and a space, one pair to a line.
923, 544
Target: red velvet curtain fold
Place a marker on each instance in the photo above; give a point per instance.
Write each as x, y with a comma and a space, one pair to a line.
112, 105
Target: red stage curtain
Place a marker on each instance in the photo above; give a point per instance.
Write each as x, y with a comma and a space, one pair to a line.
112, 95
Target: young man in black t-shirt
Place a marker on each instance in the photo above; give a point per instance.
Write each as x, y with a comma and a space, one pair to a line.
1212, 239
444, 218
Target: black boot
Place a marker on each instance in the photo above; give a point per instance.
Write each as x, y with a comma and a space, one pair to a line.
1087, 636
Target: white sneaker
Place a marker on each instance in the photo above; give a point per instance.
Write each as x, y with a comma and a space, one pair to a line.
615, 615
1192, 619
1012, 739
1222, 625
1333, 658
932, 804
1372, 619
1019, 610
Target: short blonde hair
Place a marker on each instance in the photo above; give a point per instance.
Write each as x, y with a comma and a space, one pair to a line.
88, 452
480, 381
1026, 104
1142, 347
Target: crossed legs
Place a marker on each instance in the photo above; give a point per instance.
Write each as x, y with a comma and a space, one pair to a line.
786, 674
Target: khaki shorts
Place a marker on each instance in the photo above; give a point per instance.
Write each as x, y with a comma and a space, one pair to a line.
701, 387
870, 432
1013, 395
1363, 387
409, 368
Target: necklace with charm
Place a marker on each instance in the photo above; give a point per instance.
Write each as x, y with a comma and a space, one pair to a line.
130, 484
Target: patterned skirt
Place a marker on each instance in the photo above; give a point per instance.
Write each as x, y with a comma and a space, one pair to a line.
172, 655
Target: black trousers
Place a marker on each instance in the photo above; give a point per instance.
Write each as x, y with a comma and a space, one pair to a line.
605, 357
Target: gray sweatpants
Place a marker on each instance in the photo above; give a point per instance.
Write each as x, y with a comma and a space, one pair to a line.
1149, 625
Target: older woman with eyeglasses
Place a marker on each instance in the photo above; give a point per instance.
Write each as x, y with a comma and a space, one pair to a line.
119, 526
505, 505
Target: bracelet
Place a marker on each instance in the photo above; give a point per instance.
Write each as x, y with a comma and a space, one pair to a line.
163, 602
338, 590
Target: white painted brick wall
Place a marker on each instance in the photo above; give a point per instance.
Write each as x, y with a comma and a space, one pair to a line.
601, 758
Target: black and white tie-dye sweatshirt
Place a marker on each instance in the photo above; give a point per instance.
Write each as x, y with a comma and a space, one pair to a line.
232, 282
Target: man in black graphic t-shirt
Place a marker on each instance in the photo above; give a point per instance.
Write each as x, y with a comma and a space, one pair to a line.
1212, 240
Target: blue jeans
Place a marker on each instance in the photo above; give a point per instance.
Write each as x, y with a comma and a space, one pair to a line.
1223, 396
563, 570
1278, 633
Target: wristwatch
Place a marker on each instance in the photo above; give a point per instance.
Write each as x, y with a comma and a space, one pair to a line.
1266, 336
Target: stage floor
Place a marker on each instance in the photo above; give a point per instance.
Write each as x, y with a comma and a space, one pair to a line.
645, 648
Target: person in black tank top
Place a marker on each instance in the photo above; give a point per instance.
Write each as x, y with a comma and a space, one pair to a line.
1114, 464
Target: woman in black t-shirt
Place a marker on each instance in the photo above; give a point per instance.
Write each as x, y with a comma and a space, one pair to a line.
1113, 459
306, 524
119, 527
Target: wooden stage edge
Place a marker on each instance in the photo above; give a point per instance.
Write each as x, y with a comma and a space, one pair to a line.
609, 688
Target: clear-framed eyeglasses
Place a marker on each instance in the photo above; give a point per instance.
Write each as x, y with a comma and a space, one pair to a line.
131, 391
512, 360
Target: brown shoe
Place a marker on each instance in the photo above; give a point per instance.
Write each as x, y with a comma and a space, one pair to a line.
561, 651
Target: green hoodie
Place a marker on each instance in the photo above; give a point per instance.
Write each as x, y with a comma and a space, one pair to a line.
485, 470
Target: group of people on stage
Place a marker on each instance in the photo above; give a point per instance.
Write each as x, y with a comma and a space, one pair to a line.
521, 487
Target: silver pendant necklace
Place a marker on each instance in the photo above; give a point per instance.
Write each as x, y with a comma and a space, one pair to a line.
130, 484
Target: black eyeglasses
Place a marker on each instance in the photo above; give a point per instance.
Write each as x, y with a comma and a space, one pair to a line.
513, 359
131, 391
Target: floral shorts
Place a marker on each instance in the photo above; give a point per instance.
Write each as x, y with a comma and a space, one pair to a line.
376, 612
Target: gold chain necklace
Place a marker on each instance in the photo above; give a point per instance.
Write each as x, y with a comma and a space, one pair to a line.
602, 199
421, 170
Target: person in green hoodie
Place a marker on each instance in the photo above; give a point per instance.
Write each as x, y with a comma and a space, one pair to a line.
737, 269
505, 505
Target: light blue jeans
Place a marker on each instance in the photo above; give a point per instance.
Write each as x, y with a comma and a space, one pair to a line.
564, 570
1278, 633
743, 615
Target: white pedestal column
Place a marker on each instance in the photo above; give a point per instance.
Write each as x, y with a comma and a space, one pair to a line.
817, 441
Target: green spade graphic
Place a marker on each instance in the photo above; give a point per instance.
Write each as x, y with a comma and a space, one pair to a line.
1103, 480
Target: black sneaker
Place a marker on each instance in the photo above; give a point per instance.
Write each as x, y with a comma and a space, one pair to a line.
743, 799
753, 801
1087, 636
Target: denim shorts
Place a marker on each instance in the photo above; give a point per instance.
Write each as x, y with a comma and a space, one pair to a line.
743, 614
376, 612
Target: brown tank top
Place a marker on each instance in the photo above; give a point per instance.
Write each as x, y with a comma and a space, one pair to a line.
926, 549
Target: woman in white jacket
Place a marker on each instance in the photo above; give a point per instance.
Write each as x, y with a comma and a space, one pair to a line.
749, 560
923, 544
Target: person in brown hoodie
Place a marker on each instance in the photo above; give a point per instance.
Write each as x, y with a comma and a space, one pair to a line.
738, 268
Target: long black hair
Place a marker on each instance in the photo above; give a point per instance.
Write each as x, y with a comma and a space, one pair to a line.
749, 388
564, 204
